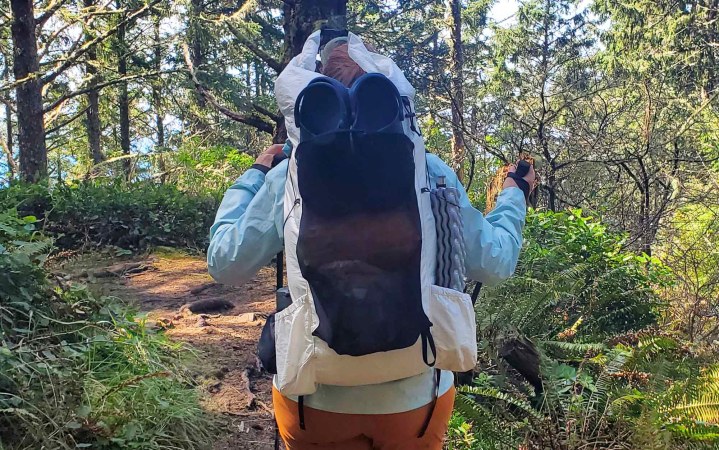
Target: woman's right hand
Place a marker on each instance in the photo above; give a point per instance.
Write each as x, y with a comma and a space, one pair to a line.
265, 159
530, 178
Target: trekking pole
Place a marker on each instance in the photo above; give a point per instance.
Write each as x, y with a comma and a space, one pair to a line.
282, 294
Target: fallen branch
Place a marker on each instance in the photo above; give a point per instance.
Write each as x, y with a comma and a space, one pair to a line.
245, 378
120, 270
264, 407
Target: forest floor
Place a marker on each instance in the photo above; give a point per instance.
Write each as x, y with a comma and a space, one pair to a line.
224, 338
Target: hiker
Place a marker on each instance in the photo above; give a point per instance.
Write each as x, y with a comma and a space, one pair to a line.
358, 410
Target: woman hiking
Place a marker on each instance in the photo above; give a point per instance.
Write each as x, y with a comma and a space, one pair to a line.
408, 413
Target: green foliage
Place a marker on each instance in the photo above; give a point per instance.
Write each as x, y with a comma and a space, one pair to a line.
574, 279
609, 379
478, 410
131, 216
202, 170
690, 247
620, 398
460, 433
81, 372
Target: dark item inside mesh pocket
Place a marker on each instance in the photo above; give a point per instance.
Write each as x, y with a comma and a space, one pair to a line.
360, 242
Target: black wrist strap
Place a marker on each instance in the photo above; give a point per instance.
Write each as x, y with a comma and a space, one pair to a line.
521, 184
261, 167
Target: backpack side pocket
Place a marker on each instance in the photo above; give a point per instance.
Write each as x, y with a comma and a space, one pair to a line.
266, 350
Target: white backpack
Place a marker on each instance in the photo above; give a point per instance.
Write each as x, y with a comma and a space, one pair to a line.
365, 309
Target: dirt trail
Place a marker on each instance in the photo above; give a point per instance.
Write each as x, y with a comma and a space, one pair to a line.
236, 388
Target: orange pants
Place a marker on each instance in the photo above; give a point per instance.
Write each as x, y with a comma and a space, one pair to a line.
326, 430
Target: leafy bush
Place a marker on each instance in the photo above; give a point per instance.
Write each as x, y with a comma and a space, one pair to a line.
608, 378
575, 281
77, 371
201, 170
644, 395
131, 216
690, 247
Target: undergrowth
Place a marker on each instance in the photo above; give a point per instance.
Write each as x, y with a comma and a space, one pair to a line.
77, 371
132, 216
611, 374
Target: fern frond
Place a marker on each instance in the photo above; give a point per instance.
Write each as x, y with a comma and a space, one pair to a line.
575, 348
473, 411
705, 409
696, 431
34, 248
626, 400
656, 343
617, 313
617, 360
692, 409
575, 273
495, 394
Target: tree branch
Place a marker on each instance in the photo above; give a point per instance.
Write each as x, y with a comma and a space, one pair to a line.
6, 101
67, 122
271, 62
252, 120
12, 164
98, 86
274, 116
71, 59
49, 12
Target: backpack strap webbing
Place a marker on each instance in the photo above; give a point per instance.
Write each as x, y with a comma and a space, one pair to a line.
435, 396
428, 346
301, 411
280, 270
475, 292
277, 435
280, 285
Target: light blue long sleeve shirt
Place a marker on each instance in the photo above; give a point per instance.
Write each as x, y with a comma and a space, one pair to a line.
248, 233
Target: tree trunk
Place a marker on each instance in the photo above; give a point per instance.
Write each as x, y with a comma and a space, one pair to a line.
157, 99
9, 141
124, 100
303, 17
31, 126
198, 51
8, 144
457, 87
93, 103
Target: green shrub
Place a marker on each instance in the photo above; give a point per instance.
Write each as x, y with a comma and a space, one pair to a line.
609, 377
573, 278
646, 395
77, 371
131, 216
200, 170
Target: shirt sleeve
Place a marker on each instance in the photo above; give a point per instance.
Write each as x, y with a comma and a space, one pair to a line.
247, 231
493, 242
